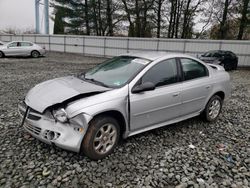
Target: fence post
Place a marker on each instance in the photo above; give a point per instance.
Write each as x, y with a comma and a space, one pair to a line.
64, 43
158, 41
184, 46
49, 44
128, 45
83, 45
104, 47
220, 45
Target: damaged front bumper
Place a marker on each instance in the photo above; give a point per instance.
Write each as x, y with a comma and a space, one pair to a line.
67, 136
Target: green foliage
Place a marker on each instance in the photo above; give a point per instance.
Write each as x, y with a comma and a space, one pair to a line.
58, 22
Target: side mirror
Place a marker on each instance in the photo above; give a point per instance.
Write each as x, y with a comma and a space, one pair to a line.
147, 86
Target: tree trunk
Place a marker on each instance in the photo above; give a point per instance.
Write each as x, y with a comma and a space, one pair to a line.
100, 18
95, 18
109, 18
174, 19
185, 20
171, 19
137, 19
178, 15
159, 18
243, 21
87, 17
222, 33
131, 24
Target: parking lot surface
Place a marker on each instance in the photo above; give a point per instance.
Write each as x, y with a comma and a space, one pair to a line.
187, 154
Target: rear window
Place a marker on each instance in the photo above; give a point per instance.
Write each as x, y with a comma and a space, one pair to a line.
26, 44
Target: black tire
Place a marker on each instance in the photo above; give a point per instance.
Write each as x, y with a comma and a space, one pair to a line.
207, 115
35, 54
1, 54
235, 66
226, 66
95, 144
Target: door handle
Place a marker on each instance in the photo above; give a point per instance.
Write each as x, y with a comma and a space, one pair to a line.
176, 94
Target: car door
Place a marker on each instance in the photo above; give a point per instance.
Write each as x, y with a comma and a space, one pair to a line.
195, 87
161, 104
12, 49
25, 48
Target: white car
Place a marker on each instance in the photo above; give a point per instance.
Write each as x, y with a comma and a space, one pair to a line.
21, 48
1, 43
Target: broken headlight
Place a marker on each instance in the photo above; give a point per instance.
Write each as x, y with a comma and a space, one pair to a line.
60, 115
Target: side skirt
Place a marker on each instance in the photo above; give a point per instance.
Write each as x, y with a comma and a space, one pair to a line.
163, 124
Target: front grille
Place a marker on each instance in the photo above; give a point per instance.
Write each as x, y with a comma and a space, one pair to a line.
33, 117
32, 128
32, 114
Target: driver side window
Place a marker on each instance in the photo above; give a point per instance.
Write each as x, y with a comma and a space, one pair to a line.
163, 73
14, 44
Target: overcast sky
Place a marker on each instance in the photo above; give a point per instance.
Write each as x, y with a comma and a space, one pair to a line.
19, 14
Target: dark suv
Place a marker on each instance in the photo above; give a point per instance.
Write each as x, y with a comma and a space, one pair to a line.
227, 59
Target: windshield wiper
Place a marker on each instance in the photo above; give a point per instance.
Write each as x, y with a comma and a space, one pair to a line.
95, 82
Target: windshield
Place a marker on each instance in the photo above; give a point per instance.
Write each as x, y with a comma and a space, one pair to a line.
116, 72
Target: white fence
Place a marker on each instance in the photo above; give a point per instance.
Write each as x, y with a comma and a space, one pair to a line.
112, 46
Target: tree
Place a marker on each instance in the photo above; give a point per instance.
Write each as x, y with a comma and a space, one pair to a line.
244, 20
58, 21
159, 4
139, 14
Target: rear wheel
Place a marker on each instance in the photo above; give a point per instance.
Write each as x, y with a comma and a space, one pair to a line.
35, 54
235, 65
213, 108
1, 54
226, 66
101, 137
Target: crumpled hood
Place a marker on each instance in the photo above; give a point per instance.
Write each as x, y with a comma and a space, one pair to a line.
58, 90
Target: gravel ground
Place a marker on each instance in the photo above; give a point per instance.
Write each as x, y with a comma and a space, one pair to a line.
187, 154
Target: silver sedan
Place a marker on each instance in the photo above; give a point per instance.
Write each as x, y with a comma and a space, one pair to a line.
121, 97
21, 48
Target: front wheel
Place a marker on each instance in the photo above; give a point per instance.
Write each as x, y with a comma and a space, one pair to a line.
1, 54
213, 108
101, 137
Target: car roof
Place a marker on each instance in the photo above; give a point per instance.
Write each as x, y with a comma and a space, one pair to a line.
152, 56
21, 41
219, 51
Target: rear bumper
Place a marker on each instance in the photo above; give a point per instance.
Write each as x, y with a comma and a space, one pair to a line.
42, 52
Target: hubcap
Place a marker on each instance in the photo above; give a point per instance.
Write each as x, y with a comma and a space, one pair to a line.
214, 109
105, 138
35, 54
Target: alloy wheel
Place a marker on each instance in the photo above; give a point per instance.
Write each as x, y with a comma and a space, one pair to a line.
105, 138
214, 109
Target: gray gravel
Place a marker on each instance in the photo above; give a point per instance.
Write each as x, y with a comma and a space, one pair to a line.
187, 154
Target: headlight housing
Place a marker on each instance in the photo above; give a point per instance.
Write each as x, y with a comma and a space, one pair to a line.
60, 115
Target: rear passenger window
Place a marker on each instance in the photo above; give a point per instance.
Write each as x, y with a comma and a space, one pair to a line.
193, 69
